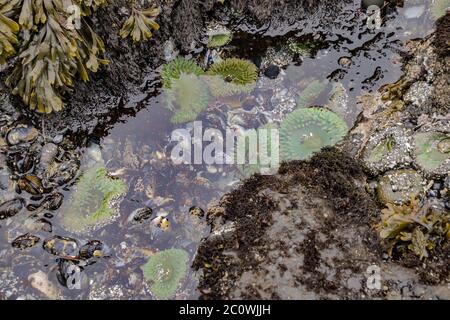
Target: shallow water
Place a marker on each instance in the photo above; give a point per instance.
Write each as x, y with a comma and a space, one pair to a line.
137, 148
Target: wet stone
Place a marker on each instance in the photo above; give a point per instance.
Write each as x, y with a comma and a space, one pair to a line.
272, 71
22, 134
25, 241
11, 208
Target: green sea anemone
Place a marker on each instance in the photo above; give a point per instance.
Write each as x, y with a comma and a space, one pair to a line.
432, 152
398, 187
438, 8
387, 149
165, 270
311, 93
140, 24
93, 203
231, 76
172, 70
219, 36
187, 98
306, 131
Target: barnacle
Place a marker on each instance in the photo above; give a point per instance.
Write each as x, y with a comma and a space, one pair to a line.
219, 36
231, 76
432, 152
50, 62
172, 70
187, 98
140, 24
165, 270
92, 205
8, 30
306, 131
413, 227
311, 93
399, 186
438, 8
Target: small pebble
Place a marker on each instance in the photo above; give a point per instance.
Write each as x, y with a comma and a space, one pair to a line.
272, 71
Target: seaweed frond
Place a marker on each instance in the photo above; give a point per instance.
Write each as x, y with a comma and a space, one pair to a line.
140, 24
8, 30
413, 227
48, 65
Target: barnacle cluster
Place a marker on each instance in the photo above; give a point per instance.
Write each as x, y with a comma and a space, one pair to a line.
187, 97
231, 76
92, 205
58, 48
173, 70
306, 131
140, 24
399, 186
165, 270
413, 227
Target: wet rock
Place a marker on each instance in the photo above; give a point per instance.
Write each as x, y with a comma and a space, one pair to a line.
22, 134
40, 282
61, 246
400, 186
25, 241
11, 208
272, 71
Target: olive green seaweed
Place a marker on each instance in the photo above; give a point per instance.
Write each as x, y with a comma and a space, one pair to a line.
164, 270
140, 24
90, 206
57, 50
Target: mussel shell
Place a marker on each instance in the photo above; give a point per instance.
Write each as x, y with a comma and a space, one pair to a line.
93, 249
31, 184
21, 134
61, 246
141, 214
25, 241
11, 208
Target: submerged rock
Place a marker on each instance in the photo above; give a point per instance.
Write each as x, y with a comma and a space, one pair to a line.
305, 234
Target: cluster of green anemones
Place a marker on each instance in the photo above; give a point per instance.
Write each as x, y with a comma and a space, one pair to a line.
58, 48
188, 88
165, 270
